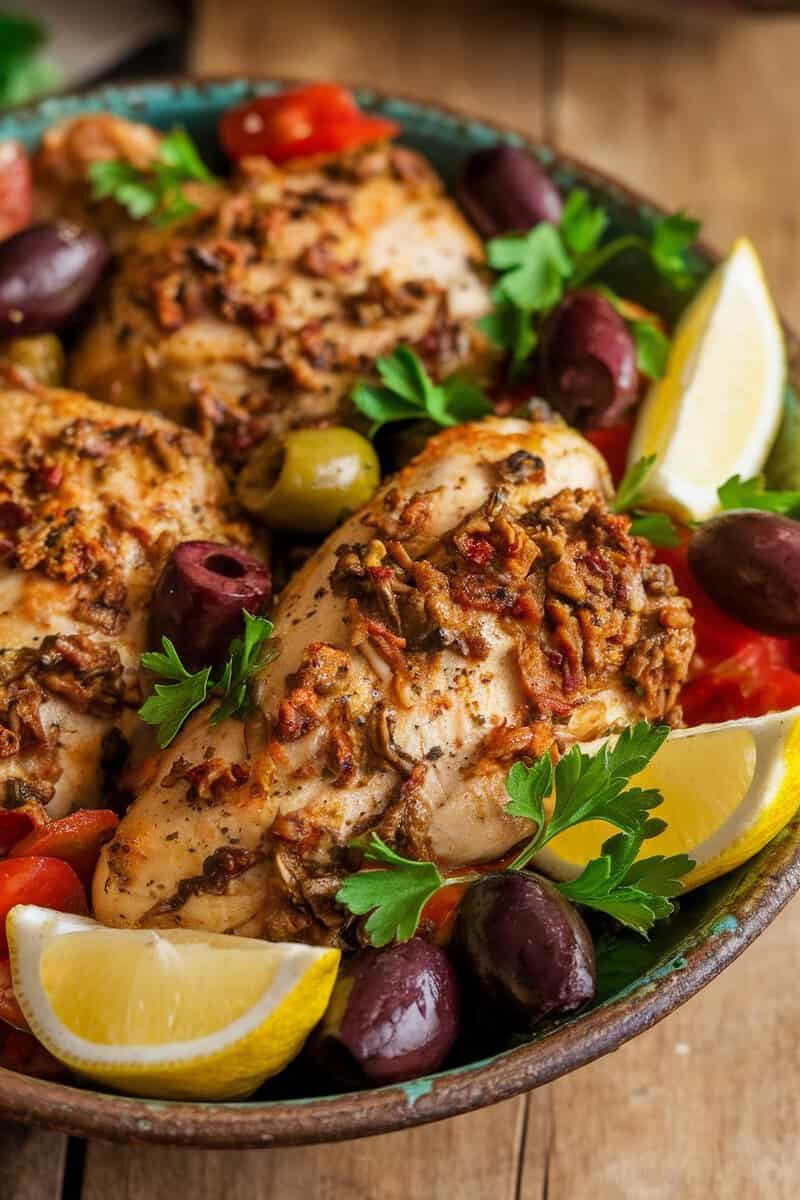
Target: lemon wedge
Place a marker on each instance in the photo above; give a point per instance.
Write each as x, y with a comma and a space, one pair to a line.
167, 1013
727, 790
716, 411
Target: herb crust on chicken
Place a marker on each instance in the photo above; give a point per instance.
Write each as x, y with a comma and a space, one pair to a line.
261, 311
92, 501
485, 605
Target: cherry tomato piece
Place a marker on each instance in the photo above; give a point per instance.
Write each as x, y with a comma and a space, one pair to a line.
748, 684
21, 1052
319, 119
16, 823
440, 912
15, 188
718, 636
10, 1011
45, 881
76, 839
612, 442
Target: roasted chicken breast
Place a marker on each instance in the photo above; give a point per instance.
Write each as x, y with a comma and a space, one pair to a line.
261, 311
485, 604
92, 500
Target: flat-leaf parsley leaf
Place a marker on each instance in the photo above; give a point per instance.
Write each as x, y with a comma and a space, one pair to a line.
408, 393
751, 493
173, 703
157, 192
582, 787
657, 527
394, 897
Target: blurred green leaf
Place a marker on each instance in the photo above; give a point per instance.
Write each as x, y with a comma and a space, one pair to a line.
24, 73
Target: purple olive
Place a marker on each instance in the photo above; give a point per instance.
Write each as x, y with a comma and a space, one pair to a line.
587, 361
200, 596
393, 1015
525, 946
749, 563
46, 273
503, 189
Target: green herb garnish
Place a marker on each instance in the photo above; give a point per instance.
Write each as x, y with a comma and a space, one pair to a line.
751, 493
657, 527
537, 268
652, 348
394, 897
409, 393
24, 73
636, 892
173, 703
584, 787
156, 193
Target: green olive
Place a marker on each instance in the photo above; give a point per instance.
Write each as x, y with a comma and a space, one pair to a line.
310, 480
41, 355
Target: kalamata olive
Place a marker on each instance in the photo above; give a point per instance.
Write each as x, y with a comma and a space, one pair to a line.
504, 189
525, 946
46, 273
587, 361
749, 563
199, 599
310, 480
393, 1015
41, 355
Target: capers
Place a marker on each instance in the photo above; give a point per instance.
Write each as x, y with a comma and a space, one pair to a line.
41, 355
310, 480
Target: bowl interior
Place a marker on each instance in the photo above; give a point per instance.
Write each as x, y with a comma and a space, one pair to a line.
640, 981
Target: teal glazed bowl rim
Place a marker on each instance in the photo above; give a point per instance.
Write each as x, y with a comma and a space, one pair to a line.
716, 924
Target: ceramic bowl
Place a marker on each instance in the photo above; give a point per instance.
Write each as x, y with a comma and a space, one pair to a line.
640, 982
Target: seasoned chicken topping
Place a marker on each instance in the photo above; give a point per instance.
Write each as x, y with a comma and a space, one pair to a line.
262, 311
485, 605
92, 501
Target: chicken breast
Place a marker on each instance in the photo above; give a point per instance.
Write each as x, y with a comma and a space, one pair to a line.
485, 604
92, 500
60, 169
262, 311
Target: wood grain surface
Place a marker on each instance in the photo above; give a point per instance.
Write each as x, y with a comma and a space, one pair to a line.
707, 1104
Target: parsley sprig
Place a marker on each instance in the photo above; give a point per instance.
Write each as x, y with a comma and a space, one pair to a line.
172, 703
24, 72
536, 268
156, 193
752, 493
657, 527
409, 393
583, 787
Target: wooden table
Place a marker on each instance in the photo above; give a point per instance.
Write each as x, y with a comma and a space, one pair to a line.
707, 1104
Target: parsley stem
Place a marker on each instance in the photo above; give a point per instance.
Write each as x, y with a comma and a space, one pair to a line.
592, 263
469, 878
533, 847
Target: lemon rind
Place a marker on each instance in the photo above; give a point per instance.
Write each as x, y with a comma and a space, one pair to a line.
298, 961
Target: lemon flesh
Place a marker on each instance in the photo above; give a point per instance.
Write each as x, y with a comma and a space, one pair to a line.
727, 788
716, 411
167, 1013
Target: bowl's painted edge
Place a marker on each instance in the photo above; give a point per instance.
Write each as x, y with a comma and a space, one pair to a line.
587, 1037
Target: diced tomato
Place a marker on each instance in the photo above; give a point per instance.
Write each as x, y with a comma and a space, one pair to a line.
10, 1011
319, 119
719, 636
748, 684
77, 839
15, 188
613, 443
46, 881
21, 1052
441, 911
15, 823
